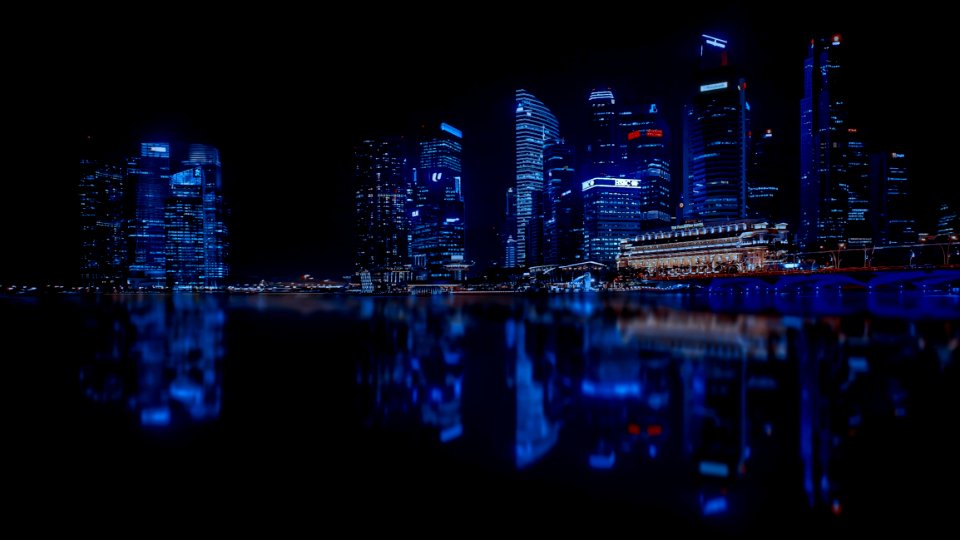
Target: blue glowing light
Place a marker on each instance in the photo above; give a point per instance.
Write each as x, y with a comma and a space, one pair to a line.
603, 461
714, 468
155, 416
715, 505
451, 433
451, 130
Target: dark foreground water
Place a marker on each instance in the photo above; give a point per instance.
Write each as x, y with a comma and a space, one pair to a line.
727, 413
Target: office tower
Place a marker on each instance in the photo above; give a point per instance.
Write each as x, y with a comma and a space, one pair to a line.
715, 139
603, 152
150, 174
765, 177
535, 127
437, 220
103, 242
563, 206
948, 220
508, 242
824, 151
611, 207
854, 181
895, 222
184, 218
215, 238
380, 202
647, 160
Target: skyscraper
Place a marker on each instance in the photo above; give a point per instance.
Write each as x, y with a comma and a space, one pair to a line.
184, 218
766, 177
611, 207
563, 206
102, 224
895, 223
381, 209
437, 220
603, 157
150, 174
715, 141
647, 160
824, 201
215, 237
535, 127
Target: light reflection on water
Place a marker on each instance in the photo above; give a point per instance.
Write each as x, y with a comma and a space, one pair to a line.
712, 407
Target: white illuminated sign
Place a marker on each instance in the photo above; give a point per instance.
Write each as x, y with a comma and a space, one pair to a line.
714, 86
158, 148
715, 42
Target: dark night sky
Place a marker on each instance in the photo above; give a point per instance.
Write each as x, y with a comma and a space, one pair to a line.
285, 100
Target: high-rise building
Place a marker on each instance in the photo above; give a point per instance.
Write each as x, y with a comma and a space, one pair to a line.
381, 209
611, 207
103, 239
563, 206
895, 222
716, 139
437, 220
215, 237
535, 127
854, 180
603, 151
508, 241
150, 174
647, 160
824, 197
948, 220
766, 178
152, 228
184, 218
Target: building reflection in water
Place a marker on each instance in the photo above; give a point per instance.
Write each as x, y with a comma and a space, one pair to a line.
414, 373
160, 356
719, 406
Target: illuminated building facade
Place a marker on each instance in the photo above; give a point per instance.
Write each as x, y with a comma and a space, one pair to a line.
185, 230
205, 160
535, 127
705, 248
437, 218
103, 241
765, 177
611, 207
715, 142
647, 159
563, 206
603, 153
895, 223
150, 174
381, 209
827, 145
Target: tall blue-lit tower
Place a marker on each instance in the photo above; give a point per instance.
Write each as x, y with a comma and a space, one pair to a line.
215, 238
715, 141
535, 126
437, 219
150, 173
185, 243
823, 132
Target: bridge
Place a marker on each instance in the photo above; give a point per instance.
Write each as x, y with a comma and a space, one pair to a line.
946, 279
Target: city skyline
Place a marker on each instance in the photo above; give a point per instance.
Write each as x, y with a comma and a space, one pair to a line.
284, 233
